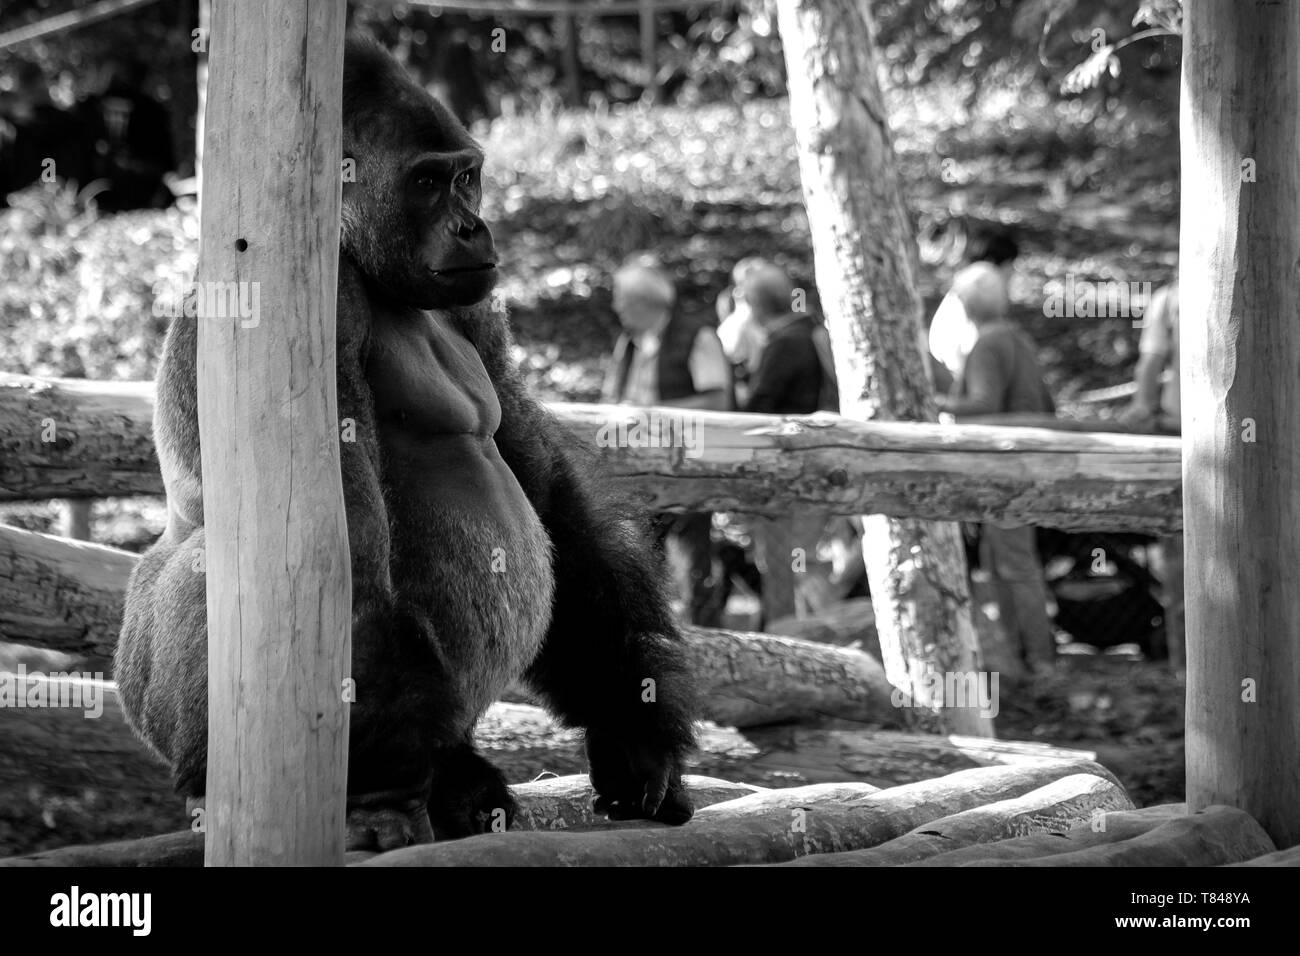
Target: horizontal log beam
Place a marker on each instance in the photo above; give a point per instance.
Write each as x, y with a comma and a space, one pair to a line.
67, 595
75, 438
671, 460
62, 595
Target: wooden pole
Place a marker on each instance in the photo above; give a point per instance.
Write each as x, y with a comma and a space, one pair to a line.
1239, 287
865, 257
279, 600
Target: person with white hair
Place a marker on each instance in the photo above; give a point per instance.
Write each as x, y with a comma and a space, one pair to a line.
666, 357
741, 333
952, 332
1001, 376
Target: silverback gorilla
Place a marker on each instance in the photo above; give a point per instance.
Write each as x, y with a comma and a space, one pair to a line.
479, 552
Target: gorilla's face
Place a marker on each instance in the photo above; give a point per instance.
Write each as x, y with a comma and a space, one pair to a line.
410, 218
442, 193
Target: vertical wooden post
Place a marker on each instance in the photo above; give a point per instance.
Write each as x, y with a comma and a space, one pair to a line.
279, 600
649, 58
1239, 291
865, 256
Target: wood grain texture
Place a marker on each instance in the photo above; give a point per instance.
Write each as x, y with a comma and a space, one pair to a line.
1239, 286
1057, 807
62, 595
758, 464
278, 586
67, 596
865, 257
768, 827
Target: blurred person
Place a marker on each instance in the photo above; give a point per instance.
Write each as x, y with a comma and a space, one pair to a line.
131, 133
1157, 404
741, 335
34, 130
1001, 375
952, 333
1157, 407
795, 376
664, 357
795, 373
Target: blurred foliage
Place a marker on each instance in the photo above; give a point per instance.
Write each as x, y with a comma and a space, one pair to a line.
723, 51
1089, 188
78, 296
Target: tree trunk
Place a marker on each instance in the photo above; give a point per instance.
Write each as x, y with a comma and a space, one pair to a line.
866, 261
1240, 300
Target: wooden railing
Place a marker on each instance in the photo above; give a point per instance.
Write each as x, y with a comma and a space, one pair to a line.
68, 438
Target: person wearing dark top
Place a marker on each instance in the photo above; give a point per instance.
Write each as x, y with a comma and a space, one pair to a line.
39, 139
795, 376
131, 133
667, 357
1001, 376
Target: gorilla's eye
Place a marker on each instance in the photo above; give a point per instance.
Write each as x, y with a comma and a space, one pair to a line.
465, 179
427, 183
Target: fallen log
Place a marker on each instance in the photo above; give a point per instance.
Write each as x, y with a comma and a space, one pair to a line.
883, 757
852, 623
749, 680
1156, 836
62, 595
764, 828
76, 438
558, 803
1054, 808
103, 782
67, 595
1114, 827
699, 461
1289, 857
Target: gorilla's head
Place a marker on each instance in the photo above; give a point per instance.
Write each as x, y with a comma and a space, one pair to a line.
410, 219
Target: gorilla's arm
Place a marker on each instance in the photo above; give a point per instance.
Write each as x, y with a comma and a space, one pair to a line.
372, 586
613, 661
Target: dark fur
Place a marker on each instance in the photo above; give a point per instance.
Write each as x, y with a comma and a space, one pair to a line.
436, 636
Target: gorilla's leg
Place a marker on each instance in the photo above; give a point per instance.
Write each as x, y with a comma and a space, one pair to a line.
469, 794
400, 725
162, 656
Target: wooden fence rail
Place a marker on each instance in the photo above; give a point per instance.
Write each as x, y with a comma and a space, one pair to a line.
65, 438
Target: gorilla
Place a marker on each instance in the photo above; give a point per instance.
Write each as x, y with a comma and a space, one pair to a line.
480, 552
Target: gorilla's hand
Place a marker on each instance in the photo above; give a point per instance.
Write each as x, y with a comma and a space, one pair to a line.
469, 795
637, 777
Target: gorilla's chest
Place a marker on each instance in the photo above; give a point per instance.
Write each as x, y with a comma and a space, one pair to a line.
427, 379
467, 547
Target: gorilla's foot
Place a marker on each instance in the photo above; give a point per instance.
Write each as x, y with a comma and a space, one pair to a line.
469, 795
376, 822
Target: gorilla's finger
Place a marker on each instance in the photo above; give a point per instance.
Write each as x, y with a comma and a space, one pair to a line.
656, 788
677, 807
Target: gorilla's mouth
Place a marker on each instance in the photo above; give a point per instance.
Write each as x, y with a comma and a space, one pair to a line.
464, 270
